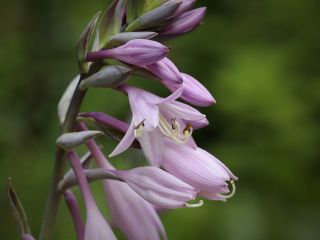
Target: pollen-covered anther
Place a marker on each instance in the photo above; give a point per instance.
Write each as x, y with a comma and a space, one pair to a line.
138, 129
173, 130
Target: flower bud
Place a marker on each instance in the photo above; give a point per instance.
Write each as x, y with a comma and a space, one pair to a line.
111, 21
154, 17
166, 71
184, 23
136, 52
185, 5
82, 46
64, 103
74, 139
124, 37
158, 187
110, 76
193, 91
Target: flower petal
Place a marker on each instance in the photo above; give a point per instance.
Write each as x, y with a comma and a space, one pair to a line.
183, 111
125, 142
152, 144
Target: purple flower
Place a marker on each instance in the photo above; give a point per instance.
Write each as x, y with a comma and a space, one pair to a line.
185, 22
193, 91
135, 217
199, 169
158, 187
74, 209
136, 52
154, 118
96, 226
165, 70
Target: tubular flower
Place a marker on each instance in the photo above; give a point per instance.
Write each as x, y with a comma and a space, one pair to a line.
135, 217
96, 226
199, 169
154, 118
159, 187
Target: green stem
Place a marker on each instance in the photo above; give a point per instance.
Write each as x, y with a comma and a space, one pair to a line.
59, 166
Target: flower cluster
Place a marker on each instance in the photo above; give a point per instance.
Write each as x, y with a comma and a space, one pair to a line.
126, 40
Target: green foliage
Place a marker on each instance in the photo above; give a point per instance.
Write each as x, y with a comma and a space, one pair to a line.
259, 58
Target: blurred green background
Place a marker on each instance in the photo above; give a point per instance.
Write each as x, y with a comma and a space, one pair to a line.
260, 59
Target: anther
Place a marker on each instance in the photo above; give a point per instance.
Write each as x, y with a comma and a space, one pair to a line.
138, 129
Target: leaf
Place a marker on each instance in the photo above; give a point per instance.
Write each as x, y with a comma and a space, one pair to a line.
83, 43
17, 209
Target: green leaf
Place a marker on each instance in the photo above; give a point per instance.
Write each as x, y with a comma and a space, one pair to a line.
17, 209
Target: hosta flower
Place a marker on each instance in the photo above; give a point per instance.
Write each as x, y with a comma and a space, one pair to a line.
134, 216
199, 169
136, 52
193, 91
96, 227
158, 187
154, 118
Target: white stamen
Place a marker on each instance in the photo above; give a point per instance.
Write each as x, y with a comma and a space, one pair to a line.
173, 130
233, 191
194, 205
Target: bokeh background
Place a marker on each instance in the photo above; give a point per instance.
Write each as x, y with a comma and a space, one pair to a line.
260, 59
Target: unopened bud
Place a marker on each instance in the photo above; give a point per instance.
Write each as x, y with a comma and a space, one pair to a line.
110, 76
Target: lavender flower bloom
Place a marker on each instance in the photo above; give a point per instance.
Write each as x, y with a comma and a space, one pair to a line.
199, 169
135, 217
154, 118
74, 209
136, 52
165, 70
96, 226
185, 22
193, 91
159, 187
